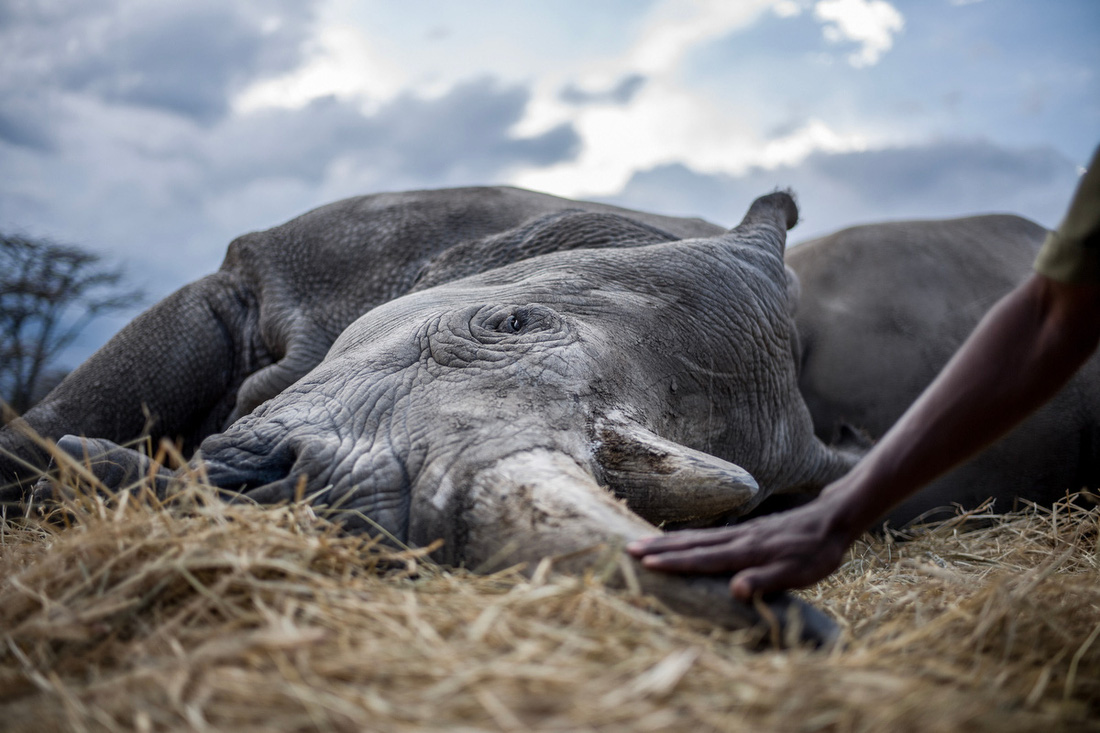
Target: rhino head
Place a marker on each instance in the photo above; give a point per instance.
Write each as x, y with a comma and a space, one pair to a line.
496, 412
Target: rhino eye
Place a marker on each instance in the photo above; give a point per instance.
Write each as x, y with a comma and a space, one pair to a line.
514, 323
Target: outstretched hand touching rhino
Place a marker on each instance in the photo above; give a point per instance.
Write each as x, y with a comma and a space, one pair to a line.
1023, 351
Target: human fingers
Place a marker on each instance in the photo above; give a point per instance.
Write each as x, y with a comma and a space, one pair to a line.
682, 540
724, 558
783, 574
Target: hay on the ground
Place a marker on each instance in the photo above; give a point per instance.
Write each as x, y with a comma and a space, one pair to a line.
207, 616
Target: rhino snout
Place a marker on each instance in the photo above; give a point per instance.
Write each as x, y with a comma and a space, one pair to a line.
364, 487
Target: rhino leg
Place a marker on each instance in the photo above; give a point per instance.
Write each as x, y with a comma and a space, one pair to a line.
172, 372
306, 349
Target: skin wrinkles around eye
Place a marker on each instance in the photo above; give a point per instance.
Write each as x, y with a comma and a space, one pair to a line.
482, 336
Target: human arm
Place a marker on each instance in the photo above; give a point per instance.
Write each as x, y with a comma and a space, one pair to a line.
1021, 353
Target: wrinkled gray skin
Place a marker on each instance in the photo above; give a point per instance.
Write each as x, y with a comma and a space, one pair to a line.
493, 411
217, 348
883, 307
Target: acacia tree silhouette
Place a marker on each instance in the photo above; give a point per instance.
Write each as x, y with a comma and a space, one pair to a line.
49, 293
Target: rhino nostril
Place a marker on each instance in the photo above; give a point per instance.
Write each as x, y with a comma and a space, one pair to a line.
242, 466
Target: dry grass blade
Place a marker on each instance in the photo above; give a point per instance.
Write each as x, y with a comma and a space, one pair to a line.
197, 614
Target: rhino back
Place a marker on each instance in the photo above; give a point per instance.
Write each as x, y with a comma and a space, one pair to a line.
335, 262
894, 301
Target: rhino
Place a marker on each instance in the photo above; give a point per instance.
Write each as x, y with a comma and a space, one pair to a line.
883, 307
516, 374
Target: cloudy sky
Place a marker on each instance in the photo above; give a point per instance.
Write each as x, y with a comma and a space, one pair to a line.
154, 131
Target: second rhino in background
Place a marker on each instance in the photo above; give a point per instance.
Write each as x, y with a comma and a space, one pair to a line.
883, 308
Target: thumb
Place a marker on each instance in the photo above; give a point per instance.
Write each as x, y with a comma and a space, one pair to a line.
742, 585
766, 579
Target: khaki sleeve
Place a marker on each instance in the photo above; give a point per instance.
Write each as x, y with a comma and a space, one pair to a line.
1072, 253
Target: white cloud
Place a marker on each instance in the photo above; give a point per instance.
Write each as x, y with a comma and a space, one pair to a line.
666, 124
870, 23
787, 8
814, 136
676, 26
664, 121
668, 32
340, 64
667, 120
935, 179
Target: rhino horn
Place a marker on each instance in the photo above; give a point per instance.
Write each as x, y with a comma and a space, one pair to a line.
540, 503
665, 482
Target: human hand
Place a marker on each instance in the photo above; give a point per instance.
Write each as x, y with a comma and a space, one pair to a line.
787, 550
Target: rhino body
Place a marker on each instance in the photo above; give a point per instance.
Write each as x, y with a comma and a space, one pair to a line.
581, 349
884, 307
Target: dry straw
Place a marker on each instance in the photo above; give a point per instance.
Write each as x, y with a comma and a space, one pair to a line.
132, 615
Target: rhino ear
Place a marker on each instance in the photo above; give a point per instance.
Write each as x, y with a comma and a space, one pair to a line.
665, 482
767, 221
794, 291
777, 209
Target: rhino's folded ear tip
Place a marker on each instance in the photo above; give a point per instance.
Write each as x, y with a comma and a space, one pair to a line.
80, 448
789, 203
777, 208
72, 445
